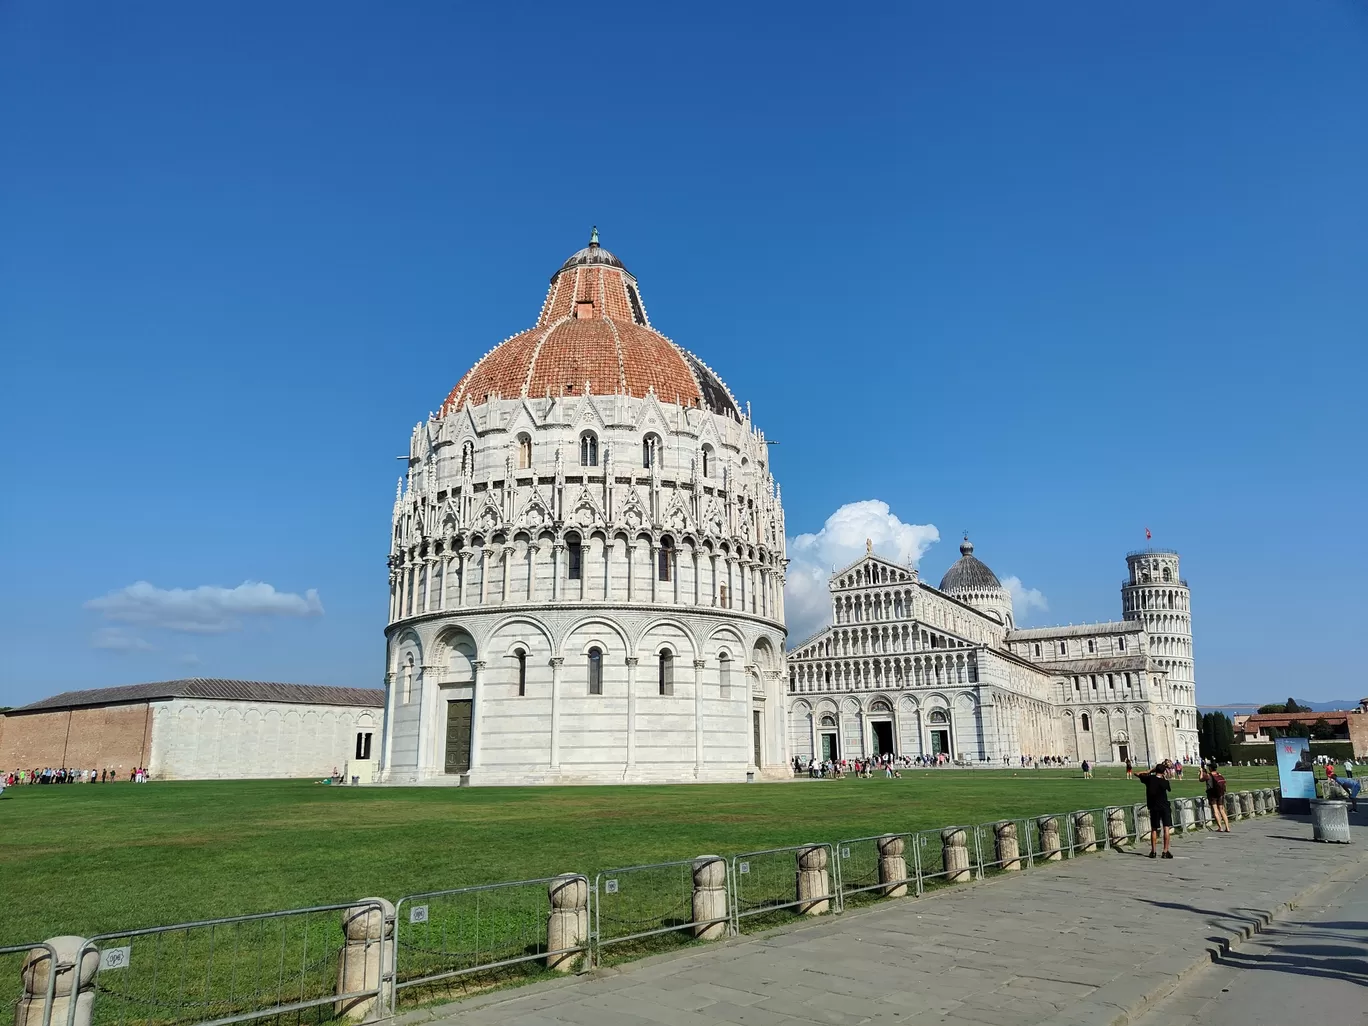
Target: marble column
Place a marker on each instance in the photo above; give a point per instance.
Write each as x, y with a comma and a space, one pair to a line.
698, 716
557, 662
631, 710
476, 710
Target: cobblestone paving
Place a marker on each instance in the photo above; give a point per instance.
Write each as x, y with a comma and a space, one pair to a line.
1093, 940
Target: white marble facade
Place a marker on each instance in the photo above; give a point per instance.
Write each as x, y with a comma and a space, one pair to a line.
216, 739
914, 670
586, 580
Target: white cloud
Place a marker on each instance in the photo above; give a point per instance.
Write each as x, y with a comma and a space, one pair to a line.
208, 609
807, 603
1024, 600
116, 639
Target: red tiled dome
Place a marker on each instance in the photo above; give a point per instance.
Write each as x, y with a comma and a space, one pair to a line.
592, 331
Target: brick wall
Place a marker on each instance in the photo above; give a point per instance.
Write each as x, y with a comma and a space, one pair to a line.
117, 736
1358, 734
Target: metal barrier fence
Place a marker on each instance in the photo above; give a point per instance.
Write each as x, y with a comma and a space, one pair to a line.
636, 902
440, 935
1004, 846
220, 971
772, 880
886, 864
20, 1010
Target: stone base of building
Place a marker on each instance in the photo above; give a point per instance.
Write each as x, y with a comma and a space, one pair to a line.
569, 776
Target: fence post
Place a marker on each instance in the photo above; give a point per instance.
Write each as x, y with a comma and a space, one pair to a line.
1270, 801
1006, 846
892, 865
1116, 827
1246, 805
1260, 806
1232, 805
367, 958
568, 924
1049, 838
1085, 830
814, 885
42, 978
709, 897
955, 854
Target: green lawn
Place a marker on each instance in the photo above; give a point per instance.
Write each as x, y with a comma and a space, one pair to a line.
85, 859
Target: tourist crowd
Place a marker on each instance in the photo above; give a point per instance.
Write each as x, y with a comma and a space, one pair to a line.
66, 775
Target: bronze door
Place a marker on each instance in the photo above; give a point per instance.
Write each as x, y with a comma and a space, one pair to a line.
458, 736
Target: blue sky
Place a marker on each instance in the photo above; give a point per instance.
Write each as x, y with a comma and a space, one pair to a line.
1052, 273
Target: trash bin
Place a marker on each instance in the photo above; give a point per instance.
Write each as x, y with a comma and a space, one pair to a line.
1330, 820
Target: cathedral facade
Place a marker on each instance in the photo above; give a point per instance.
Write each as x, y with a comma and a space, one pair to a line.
586, 562
910, 669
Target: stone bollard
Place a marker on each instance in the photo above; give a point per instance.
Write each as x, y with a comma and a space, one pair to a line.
892, 865
709, 897
567, 927
814, 883
1270, 801
1049, 838
1246, 805
955, 854
1007, 846
1182, 814
1232, 804
1143, 828
1116, 827
37, 975
368, 931
1085, 831
1259, 809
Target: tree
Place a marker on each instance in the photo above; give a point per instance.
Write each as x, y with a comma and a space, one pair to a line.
1322, 731
1273, 707
1225, 737
1292, 706
1296, 730
1206, 736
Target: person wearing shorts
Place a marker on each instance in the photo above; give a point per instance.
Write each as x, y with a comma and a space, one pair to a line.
1216, 792
1157, 800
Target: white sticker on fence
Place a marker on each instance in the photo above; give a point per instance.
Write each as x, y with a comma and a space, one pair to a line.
418, 914
610, 886
845, 853
744, 867
115, 958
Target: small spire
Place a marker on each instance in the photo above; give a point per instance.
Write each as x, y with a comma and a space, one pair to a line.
966, 546
593, 236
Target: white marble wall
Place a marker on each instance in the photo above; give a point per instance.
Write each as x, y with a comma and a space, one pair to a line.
211, 739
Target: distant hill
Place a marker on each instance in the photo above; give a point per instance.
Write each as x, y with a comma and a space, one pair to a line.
1237, 709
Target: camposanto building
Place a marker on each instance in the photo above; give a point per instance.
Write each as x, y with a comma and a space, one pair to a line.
587, 562
912, 669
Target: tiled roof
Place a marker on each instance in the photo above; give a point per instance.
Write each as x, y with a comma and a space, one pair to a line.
203, 687
1077, 630
592, 330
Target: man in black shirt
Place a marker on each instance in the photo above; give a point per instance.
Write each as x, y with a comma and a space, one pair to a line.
1156, 798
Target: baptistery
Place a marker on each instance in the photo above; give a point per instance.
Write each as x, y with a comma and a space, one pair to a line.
586, 562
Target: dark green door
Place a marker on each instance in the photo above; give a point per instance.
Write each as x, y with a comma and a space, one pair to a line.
755, 727
940, 742
458, 736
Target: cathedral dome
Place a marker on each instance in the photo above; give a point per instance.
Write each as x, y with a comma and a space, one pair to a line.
593, 334
969, 573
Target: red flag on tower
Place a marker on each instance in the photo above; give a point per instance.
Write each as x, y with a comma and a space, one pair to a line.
1148, 536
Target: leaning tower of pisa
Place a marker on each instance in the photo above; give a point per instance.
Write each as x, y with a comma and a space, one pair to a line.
1156, 595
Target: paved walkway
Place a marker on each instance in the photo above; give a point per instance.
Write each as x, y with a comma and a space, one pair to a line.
1311, 967
1093, 940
